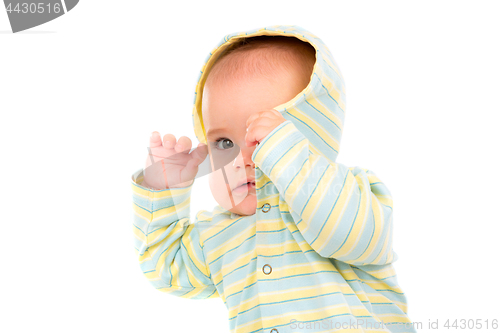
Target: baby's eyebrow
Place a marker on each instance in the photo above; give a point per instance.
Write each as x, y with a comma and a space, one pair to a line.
214, 131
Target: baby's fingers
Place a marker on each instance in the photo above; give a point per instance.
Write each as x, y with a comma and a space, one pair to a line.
155, 140
183, 145
169, 141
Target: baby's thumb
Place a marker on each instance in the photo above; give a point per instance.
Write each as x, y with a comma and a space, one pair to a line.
200, 153
190, 170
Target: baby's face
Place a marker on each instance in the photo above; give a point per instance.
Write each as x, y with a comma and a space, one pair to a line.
225, 109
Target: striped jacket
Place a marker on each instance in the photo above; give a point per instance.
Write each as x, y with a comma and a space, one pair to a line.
317, 254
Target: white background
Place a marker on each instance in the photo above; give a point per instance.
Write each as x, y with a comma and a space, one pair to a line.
79, 97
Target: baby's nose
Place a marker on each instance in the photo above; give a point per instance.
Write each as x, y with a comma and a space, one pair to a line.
243, 159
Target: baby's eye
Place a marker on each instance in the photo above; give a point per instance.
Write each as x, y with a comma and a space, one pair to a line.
224, 144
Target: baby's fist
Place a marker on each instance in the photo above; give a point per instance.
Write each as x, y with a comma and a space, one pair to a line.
260, 124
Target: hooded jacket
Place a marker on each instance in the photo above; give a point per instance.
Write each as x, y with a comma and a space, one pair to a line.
317, 254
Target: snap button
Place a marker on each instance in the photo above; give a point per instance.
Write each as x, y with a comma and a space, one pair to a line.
266, 208
267, 269
274, 330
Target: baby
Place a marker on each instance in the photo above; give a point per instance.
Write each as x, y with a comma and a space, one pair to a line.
298, 242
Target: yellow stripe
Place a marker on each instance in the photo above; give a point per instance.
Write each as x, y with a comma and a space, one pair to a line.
359, 223
320, 130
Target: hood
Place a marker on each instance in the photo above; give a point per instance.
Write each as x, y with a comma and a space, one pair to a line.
317, 111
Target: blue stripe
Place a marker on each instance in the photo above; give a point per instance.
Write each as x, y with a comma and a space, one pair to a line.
291, 181
191, 260
209, 238
234, 248
313, 131
328, 217
371, 238
328, 93
323, 115
352, 225
314, 190
264, 231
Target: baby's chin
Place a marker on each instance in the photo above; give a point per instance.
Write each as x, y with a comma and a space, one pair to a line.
246, 207
245, 203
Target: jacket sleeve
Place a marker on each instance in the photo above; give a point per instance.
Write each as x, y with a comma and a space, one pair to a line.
342, 212
168, 247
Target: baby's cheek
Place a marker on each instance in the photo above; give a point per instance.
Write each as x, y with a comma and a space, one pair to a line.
212, 182
222, 192
218, 188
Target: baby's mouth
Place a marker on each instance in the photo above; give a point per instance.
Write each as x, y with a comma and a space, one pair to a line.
245, 186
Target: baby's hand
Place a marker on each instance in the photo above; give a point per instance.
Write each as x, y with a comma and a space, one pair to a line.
260, 124
169, 164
